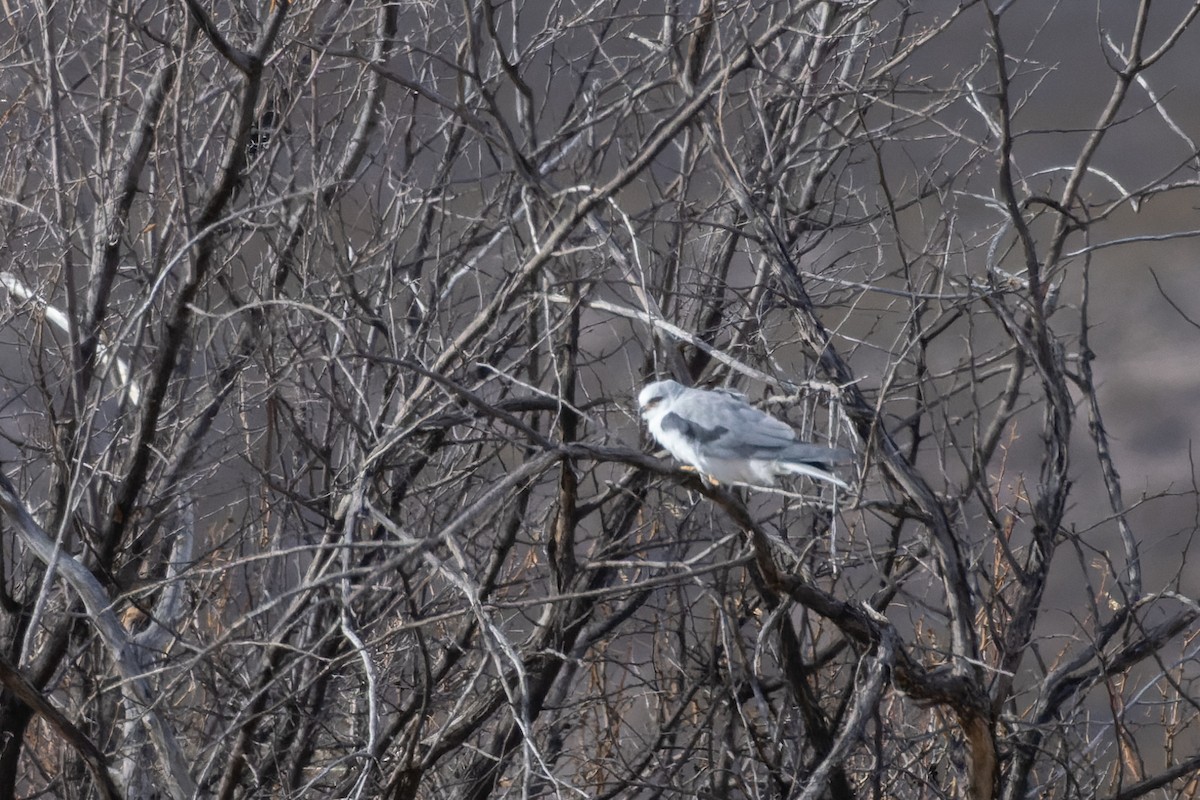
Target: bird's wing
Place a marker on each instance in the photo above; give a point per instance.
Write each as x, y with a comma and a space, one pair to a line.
725, 426
695, 432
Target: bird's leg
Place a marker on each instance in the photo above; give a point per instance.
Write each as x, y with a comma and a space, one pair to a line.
690, 468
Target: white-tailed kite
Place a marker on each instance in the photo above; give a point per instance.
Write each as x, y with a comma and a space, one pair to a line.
724, 437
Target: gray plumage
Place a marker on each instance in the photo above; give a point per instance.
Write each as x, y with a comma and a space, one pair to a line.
724, 437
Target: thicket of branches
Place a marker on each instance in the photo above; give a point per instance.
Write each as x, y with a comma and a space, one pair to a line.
322, 325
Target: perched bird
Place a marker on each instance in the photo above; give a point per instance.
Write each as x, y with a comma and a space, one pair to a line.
730, 441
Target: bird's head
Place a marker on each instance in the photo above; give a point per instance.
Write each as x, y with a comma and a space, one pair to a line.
655, 398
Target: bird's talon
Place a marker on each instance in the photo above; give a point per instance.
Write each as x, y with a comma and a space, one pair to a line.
708, 478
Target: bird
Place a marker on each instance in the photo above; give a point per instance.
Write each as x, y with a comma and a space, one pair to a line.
719, 434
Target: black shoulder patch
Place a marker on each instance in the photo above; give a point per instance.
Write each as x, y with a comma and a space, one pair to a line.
674, 422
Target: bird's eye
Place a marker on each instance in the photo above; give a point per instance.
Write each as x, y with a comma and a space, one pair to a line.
652, 402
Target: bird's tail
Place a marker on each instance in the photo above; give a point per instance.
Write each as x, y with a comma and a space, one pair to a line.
818, 471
